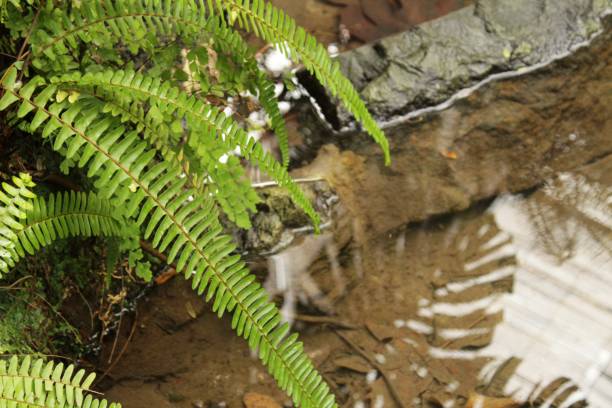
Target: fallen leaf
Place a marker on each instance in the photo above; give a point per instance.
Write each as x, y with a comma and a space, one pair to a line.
450, 155
165, 276
382, 333
256, 400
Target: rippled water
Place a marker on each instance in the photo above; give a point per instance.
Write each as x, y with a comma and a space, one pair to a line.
527, 277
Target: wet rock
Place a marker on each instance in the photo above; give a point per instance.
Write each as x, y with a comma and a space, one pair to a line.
266, 232
508, 136
279, 221
256, 400
426, 65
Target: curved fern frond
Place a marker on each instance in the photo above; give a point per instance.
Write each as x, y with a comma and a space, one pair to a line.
179, 221
112, 21
28, 223
275, 26
27, 383
208, 126
227, 182
62, 216
14, 203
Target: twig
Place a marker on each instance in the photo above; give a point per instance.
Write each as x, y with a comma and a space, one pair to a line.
265, 184
374, 364
147, 247
8, 55
123, 349
21, 54
17, 282
327, 320
112, 353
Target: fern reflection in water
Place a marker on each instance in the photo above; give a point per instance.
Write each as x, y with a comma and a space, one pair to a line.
155, 151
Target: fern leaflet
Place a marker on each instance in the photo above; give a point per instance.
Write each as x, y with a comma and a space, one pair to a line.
61, 216
14, 202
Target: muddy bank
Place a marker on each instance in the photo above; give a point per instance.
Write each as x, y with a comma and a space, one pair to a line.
507, 136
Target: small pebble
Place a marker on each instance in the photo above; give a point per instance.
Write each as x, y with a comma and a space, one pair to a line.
422, 372
380, 359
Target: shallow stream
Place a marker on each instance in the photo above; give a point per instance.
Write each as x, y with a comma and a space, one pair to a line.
476, 271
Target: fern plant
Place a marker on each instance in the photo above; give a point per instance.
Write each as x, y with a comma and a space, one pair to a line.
100, 81
28, 383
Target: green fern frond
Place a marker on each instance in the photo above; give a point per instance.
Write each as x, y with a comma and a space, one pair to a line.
109, 21
105, 24
275, 26
114, 21
227, 182
178, 220
28, 223
14, 203
269, 102
208, 126
27, 383
233, 42
62, 216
